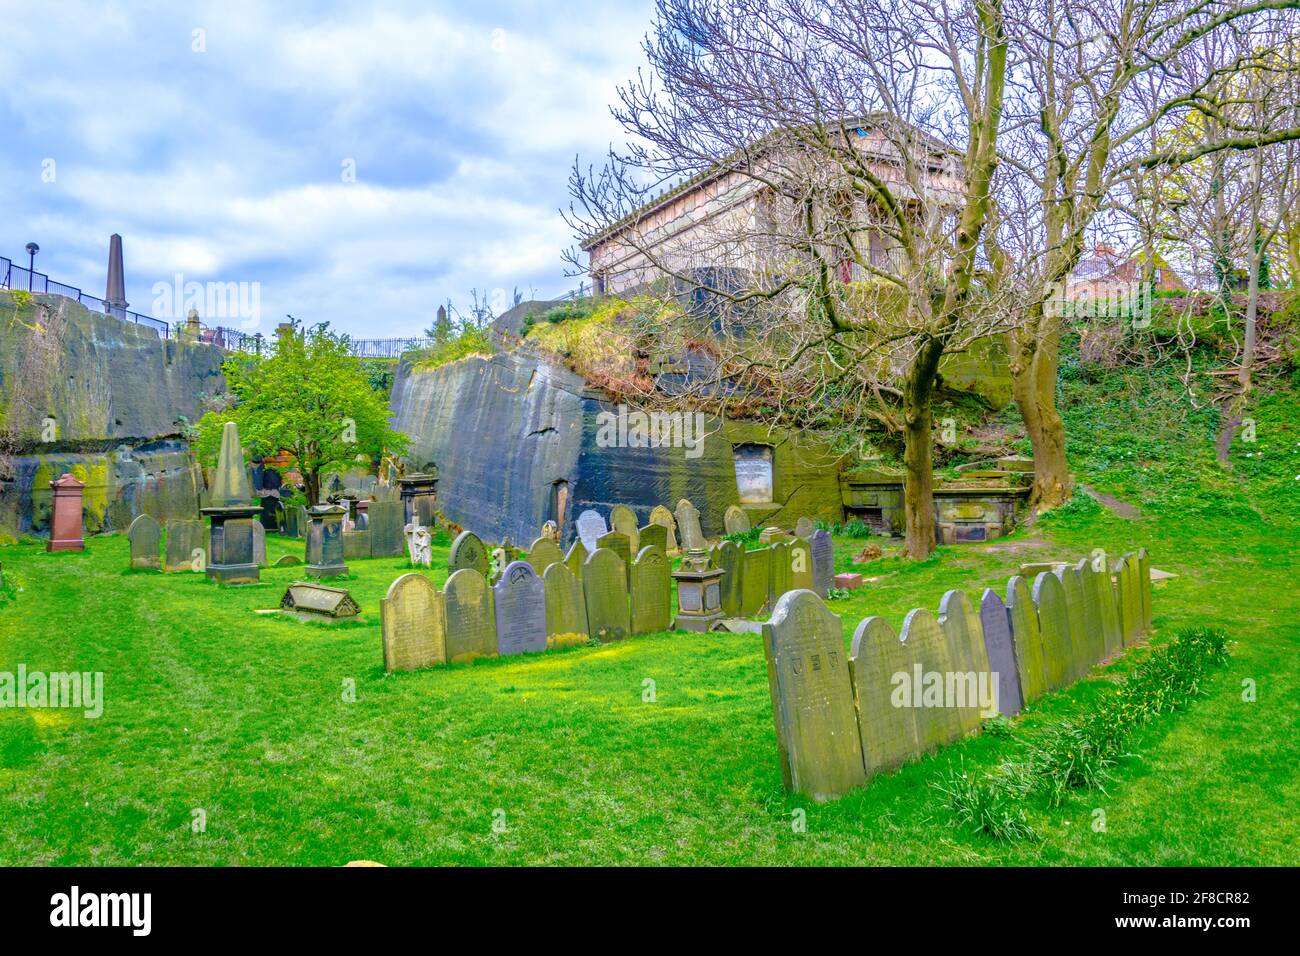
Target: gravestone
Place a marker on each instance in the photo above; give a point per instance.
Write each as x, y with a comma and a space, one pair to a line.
618, 543
654, 536
651, 594
1128, 599
730, 557
304, 521
960, 623
576, 558
419, 545
259, 545
812, 699
386, 521
623, 520
1072, 585
67, 523
543, 553
184, 537
754, 582
314, 601
287, 560
591, 528
291, 528
779, 571
1144, 587
145, 538
1001, 652
662, 516
888, 732
804, 527
1108, 608
823, 561
325, 542
937, 722
735, 521
604, 591
412, 625
1054, 627
801, 572
1028, 640
467, 551
688, 525
356, 544
566, 613
519, 601
471, 625
1094, 637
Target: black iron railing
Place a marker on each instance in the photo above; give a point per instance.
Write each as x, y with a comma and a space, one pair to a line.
16, 277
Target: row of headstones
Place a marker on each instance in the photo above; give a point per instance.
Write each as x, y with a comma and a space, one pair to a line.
529, 608
187, 544
903, 694
379, 533
755, 580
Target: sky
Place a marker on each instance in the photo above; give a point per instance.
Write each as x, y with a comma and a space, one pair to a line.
345, 162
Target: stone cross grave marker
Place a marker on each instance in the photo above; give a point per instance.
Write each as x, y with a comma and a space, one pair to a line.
812, 699
519, 600
412, 624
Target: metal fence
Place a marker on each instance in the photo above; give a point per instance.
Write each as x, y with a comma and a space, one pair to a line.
15, 277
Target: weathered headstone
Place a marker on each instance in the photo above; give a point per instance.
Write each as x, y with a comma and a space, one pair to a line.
566, 613
1028, 640
471, 625
938, 721
67, 521
356, 544
184, 537
804, 527
848, 580
1072, 583
604, 590
259, 545
591, 527
1104, 592
576, 558
662, 516
1001, 652
145, 537
287, 560
960, 623
412, 624
730, 557
823, 561
291, 528
304, 521
1094, 636
519, 601
654, 536
651, 594
543, 553
801, 571
812, 699
325, 542
311, 600
888, 731
1128, 600
623, 520
386, 520
467, 551
754, 582
617, 542
1144, 587
688, 525
1054, 626
735, 521
779, 571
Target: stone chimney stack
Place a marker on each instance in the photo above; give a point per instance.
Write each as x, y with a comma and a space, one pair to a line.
115, 294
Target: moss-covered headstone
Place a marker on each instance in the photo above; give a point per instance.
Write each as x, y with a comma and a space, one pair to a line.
823, 561
778, 581
471, 624
1072, 583
412, 624
937, 721
812, 699
754, 582
662, 516
888, 731
1001, 652
960, 624
730, 557
623, 520
735, 521
801, 570
1054, 626
604, 589
1094, 636
184, 537
1144, 587
654, 536
651, 592
1027, 638
566, 613
468, 552
618, 542
1128, 598
386, 520
576, 558
543, 553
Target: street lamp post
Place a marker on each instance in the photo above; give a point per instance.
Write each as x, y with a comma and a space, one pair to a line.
32, 249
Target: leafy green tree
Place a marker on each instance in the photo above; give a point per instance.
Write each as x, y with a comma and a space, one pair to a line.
311, 397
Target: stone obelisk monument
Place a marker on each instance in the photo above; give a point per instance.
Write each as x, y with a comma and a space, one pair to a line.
115, 292
230, 511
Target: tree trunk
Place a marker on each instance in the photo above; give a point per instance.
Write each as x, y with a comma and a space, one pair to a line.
311, 482
1034, 363
918, 485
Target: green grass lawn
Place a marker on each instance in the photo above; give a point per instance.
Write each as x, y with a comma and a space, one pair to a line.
210, 705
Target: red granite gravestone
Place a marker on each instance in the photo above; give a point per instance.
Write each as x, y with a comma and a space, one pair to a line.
65, 522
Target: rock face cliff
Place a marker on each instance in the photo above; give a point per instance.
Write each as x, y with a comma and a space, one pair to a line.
519, 440
103, 399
